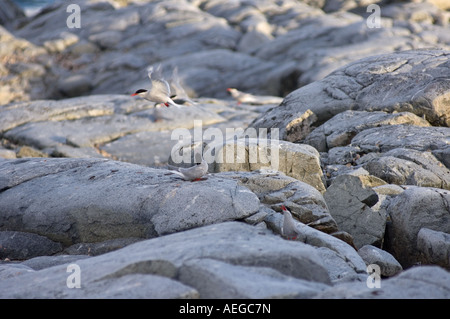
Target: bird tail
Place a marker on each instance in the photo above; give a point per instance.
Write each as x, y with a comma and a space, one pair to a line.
171, 102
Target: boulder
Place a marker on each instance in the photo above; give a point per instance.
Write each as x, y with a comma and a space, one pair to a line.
275, 189
155, 263
383, 139
101, 200
410, 167
357, 85
23, 245
217, 279
10, 13
434, 247
410, 211
10, 270
389, 266
341, 128
340, 259
422, 282
350, 199
96, 130
41, 262
295, 160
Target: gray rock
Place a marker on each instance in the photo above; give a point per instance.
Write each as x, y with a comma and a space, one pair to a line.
350, 198
342, 155
410, 211
75, 85
10, 13
138, 286
357, 85
41, 262
426, 282
232, 243
253, 154
18, 114
94, 249
7, 154
216, 279
143, 148
275, 189
340, 259
443, 155
10, 270
21, 245
410, 167
211, 72
383, 139
81, 124
341, 128
434, 247
389, 266
25, 75
134, 201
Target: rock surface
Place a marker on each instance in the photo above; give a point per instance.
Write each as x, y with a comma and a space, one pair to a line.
136, 201
358, 150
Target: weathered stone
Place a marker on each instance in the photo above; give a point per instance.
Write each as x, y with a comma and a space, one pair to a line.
298, 161
94, 249
341, 128
75, 85
434, 247
232, 243
21, 245
216, 279
7, 154
410, 211
383, 139
275, 189
410, 167
10, 270
425, 282
350, 199
41, 262
388, 265
359, 84
341, 260
134, 201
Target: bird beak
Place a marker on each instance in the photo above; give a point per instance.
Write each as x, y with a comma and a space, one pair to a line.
134, 94
166, 104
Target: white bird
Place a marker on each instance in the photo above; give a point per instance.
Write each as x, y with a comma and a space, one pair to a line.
178, 90
242, 97
193, 173
159, 91
288, 229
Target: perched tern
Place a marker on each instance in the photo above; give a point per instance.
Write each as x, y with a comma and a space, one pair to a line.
288, 229
193, 173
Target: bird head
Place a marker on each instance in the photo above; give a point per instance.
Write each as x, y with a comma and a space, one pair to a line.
230, 90
284, 209
139, 92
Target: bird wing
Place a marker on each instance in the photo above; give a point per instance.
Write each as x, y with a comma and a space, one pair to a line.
160, 87
155, 73
177, 89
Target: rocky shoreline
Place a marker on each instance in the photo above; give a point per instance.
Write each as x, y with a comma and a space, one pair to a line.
361, 155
